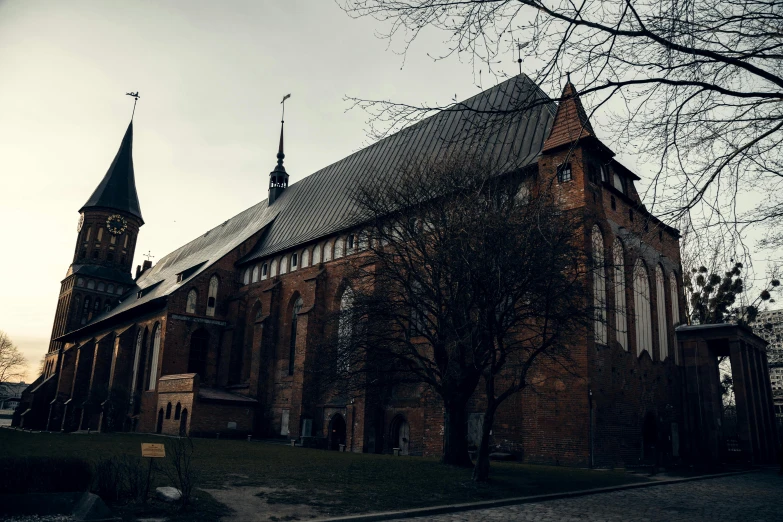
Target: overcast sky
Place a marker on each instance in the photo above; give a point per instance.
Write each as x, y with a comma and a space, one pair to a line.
211, 76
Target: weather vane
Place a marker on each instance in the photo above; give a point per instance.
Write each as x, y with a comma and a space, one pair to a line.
135, 99
282, 119
520, 46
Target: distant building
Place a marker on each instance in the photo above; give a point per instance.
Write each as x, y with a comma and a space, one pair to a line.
769, 326
10, 394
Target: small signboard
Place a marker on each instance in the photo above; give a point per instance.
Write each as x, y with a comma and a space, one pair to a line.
155, 451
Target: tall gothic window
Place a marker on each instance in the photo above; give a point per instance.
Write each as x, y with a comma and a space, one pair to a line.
339, 247
328, 251
621, 307
305, 258
599, 287
660, 297
246, 277
212, 296
190, 307
345, 331
199, 349
136, 358
283, 265
292, 347
273, 268
641, 301
254, 277
316, 254
155, 355
675, 309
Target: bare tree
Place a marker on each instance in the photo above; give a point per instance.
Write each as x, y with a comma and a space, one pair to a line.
466, 276
696, 86
12, 363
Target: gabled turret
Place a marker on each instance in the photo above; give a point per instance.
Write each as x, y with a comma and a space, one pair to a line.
571, 123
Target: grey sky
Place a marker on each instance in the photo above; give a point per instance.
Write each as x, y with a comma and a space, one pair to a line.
211, 76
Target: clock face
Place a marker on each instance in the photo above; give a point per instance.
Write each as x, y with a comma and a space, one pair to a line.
80, 224
116, 224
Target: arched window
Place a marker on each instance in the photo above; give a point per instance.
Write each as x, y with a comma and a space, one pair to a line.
283, 265
660, 298
339, 247
599, 287
294, 261
168, 411
101, 286
273, 268
190, 307
316, 254
254, 278
91, 285
155, 354
264, 271
100, 235
212, 297
110, 289
199, 349
88, 234
177, 411
136, 359
345, 331
328, 251
305, 258
294, 320
675, 298
350, 243
80, 282
620, 317
246, 276
120, 290
641, 302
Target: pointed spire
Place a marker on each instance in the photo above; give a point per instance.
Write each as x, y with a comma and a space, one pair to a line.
117, 189
571, 123
280, 153
278, 178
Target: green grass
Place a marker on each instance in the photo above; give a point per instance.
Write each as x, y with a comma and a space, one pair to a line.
331, 482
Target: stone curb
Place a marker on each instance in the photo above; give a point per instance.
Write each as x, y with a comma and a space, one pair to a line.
456, 508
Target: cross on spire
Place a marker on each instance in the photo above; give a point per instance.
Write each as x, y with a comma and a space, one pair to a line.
149, 255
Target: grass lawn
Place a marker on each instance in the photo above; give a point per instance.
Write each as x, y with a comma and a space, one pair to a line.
330, 482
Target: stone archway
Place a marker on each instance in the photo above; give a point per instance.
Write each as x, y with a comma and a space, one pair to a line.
400, 434
336, 431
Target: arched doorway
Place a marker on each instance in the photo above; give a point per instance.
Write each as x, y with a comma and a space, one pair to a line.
649, 436
401, 434
183, 423
336, 431
159, 426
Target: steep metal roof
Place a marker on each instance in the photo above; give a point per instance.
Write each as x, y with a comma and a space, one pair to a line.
117, 189
493, 123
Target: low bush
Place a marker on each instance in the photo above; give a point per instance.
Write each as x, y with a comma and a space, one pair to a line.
121, 478
21, 475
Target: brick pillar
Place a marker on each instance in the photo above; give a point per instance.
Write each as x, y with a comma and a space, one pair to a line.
742, 397
99, 380
80, 385
115, 407
764, 406
65, 373
297, 383
767, 390
755, 406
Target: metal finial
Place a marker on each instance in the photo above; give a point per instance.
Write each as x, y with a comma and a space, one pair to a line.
136, 97
149, 255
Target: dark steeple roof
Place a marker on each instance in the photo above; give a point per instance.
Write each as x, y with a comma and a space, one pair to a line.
117, 190
571, 122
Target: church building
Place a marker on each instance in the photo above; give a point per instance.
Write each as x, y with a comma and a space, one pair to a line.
218, 336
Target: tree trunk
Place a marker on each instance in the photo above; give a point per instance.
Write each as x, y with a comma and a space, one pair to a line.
455, 431
481, 471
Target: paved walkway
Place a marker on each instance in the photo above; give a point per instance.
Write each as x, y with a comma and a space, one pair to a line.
749, 497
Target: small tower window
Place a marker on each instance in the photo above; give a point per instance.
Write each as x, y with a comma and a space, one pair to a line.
110, 289
87, 234
264, 271
294, 260
101, 287
113, 239
618, 183
100, 235
80, 282
91, 285
564, 173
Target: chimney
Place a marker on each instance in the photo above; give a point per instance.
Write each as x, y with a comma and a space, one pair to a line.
140, 269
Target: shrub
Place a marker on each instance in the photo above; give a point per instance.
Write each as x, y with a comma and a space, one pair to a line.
120, 478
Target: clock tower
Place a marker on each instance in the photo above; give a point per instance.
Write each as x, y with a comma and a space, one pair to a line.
107, 229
